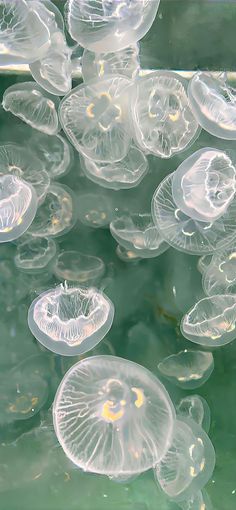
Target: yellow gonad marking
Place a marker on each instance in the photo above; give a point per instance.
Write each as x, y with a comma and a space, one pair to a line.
89, 110
174, 116
202, 465
19, 221
232, 256
203, 506
21, 400
140, 397
7, 229
66, 477
101, 69
105, 94
108, 414
193, 473
191, 449
118, 9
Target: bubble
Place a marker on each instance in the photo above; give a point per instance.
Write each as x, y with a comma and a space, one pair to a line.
109, 25
198, 501
214, 105
220, 274
187, 369
98, 65
196, 408
189, 462
35, 253
112, 416
123, 174
95, 117
137, 232
55, 153
163, 120
78, 267
204, 185
70, 320
33, 105
95, 209
211, 321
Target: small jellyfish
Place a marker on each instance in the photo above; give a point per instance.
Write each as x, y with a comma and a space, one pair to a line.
163, 120
123, 174
189, 462
204, 185
211, 321
197, 501
33, 105
219, 276
196, 408
35, 253
109, 25
55, 153
70, 320
187, 369
95, 117
137, 232
214, 105
98, 65
18, 205
95, 209
112, 416
77, 267
203, 263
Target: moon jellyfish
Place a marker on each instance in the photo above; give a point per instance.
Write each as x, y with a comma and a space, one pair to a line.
197, 501
98, 65
112, 416
78, 267
70, 320
188, 463
35, 253
220, 275
95, 210
163, 120
18, 205
123, 174
103, 26
204, 185
33, 105
95, 117
186, 234
203, 263
214, 105
211, 322
196, 408
55, 153
187, 369
136, 232
57, 214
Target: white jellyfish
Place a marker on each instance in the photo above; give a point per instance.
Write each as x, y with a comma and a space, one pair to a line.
214, 104
219, 276
35, 253
162, 117
196, 408
98, 65
33, 105
204, 185
211, 321
109, 25
187, 369
95, 209
77, 267
70, 320
55, 153
113, 417
95, 117
123, 174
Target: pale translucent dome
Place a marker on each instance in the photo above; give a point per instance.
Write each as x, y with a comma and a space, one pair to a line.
34, 253
95, 210
204, 185
18, 205
33, 105
211, 322
95, 117
24, 36
98, 65
198, 501
189, 462
163, 120
220, 275
112, 416
214, 105
123, 174
187, 369
55, 153
196, 408
109, 25
70, 320
184, 233
78, 267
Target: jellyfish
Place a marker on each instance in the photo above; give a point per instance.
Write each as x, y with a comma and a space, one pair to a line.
203, 263
197, 501
204, 185
34, 254
186, 234
112, 416
196, 408
33, 105
70, 320
220, 274
214, 105
188, 463
109, 25
187, 369
137, 232
55, 153
98, 65
124, 174
78, 267
126, 255
211, 321
95, 117
162, 117
95, 209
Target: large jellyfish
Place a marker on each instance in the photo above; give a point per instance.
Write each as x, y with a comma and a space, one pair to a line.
78, 267
219, 276
187, 369
196, 408
70, 320
113, 417
35, 253
99, 65
55, 153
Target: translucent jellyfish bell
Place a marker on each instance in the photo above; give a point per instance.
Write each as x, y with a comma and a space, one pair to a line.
78, 267
55, 153
196, 408
163, 120
187, 369
104, 401
33, 254
109, 25
198, 501
95, 209
70, 320
98, 65
95, 117
211, 322
18, 205
33, 105
204, 185
219, 276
